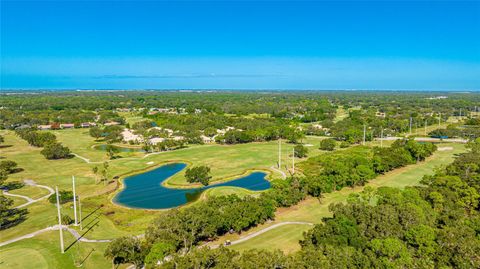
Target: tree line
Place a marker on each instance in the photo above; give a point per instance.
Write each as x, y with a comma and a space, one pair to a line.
435, 225
52, 149
180, 230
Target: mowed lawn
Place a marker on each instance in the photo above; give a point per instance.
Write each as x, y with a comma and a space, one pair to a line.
111, 220
286, 237
313, 209
43, 251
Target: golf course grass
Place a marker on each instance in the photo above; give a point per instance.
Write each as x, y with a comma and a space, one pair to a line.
312, 210
226, 162
286, 237
43, 251
105, 220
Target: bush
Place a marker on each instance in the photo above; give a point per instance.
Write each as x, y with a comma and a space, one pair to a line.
344, 144
328, 144
54, 151
300, 151
8, 166
65, 196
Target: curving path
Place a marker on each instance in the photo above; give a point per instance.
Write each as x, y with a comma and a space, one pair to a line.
30, 200
284, 176
83, 158
264, 230
54, 228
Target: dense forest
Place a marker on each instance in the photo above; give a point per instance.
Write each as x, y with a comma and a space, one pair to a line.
242, 117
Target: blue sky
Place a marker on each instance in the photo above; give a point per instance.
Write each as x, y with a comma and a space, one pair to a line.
241, 45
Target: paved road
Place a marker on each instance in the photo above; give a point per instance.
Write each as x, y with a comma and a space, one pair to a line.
30, 200
264, 230
54, 228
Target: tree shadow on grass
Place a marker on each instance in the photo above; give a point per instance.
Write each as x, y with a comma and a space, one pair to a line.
13, 185
5, 146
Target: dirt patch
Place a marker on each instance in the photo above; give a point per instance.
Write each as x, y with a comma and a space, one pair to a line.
445, 148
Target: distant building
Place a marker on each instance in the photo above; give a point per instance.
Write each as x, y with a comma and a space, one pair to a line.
380, 114
128, 136
437, 97
67, 125
44, 127
178, 138
207, 139
156, 140
23, 126
87, 124
111, 123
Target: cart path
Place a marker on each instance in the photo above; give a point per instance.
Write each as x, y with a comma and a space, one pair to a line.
83, 158
55, 228
284, 176
264, 230
30, 200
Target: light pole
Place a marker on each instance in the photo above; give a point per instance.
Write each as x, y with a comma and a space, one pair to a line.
74, 201
60, 228
279, 153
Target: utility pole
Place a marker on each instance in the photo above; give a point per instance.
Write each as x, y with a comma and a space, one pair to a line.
410, 125
381, 138
425, 132
293, 161
60, 228
80, 212
364, 133
279, 154
439, 118
74, 201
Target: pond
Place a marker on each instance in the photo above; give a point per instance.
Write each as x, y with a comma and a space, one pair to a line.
146, 191
120, 149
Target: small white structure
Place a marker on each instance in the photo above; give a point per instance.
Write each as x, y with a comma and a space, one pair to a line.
206, 139
178, 138
128, 136
67, 125
111, 123
156, 140
45, 127
380, 114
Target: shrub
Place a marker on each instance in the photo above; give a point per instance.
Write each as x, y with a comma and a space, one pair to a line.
300, 151
327, 144
54, 151
65, 196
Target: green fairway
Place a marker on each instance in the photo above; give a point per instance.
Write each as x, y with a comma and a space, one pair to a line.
108, 221
287, 237
43, 251
313, 209
111, 221
30, 191
228, 190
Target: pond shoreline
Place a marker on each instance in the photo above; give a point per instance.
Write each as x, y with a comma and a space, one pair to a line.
148, 191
